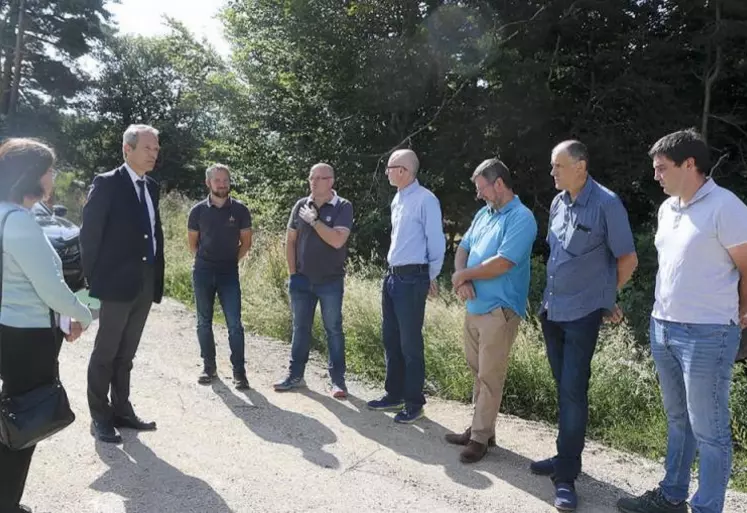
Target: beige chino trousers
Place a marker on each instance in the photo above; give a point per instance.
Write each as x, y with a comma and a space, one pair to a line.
487, 345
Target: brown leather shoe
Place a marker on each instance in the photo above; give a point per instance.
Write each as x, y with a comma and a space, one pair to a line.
474, 452
463, 438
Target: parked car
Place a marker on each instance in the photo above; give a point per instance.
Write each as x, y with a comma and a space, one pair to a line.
65, 238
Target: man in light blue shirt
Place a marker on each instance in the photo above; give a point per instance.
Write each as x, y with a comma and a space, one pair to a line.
492, 275
415, 257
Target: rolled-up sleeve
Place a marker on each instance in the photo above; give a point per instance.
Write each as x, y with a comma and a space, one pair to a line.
434, 235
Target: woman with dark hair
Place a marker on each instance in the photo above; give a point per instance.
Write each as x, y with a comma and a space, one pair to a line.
34, 296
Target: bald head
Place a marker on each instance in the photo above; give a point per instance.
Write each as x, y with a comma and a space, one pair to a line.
406, 159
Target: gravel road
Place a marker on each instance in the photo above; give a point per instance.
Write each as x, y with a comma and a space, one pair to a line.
222, 451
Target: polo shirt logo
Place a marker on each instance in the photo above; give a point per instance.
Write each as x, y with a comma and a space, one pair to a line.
328, 218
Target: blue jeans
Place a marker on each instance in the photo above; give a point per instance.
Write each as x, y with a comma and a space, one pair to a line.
207, 283
403, 310
694, 363
570, 347
304, 296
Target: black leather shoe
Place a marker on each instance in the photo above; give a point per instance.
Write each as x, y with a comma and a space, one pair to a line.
105, 432
207, 376
134, 422
240, 382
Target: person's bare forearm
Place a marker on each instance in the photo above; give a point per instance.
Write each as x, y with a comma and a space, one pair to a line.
489, 269
460, 259
290, 255
743, 297
334, 238
626, 266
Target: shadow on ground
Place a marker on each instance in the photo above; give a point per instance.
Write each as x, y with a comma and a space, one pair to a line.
279, 426
424, 442
142, 479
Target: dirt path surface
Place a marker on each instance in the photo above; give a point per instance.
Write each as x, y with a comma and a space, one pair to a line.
219, 451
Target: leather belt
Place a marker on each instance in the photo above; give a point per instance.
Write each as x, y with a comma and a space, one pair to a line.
408, 269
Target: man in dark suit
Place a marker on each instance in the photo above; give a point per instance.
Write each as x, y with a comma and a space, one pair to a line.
122, 249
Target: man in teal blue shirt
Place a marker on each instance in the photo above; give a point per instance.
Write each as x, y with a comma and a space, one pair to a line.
492, 275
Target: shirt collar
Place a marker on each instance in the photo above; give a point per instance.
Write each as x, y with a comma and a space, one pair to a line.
333, 201
210, 204
133, 175
410, 188
701, 193
583, 196
505, 208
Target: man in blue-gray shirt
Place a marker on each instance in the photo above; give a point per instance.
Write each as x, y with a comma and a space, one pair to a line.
592, 255
415, 257
219, 235
492, 275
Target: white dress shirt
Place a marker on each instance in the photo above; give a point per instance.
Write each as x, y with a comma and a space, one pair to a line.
134, 177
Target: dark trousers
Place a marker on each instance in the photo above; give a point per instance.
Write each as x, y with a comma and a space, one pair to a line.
570, 348
403, 310
207, 283
29, 360
120, 327
304, 297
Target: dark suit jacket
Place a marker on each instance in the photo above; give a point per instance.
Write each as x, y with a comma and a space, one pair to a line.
112, 240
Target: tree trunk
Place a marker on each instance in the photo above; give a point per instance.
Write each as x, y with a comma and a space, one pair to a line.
18, 59
3, 24
711, 72
8, 63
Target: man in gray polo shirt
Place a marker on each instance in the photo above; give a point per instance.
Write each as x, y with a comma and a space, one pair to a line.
701, 300
592, 255
219, 233
316, 250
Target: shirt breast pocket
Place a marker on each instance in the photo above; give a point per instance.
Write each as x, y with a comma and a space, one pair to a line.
581, 240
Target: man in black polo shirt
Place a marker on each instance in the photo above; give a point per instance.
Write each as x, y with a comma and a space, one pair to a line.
219, 234
318, 231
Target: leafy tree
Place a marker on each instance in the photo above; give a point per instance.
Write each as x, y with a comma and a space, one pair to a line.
173, 83
40, 42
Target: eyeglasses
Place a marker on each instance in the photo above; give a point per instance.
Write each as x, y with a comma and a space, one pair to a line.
481, 189
317, 178
392, 168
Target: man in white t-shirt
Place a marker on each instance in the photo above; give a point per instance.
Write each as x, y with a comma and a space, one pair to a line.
701, 301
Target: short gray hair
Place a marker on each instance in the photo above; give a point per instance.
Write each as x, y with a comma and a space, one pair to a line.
130, 135
216, 167
493, 169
